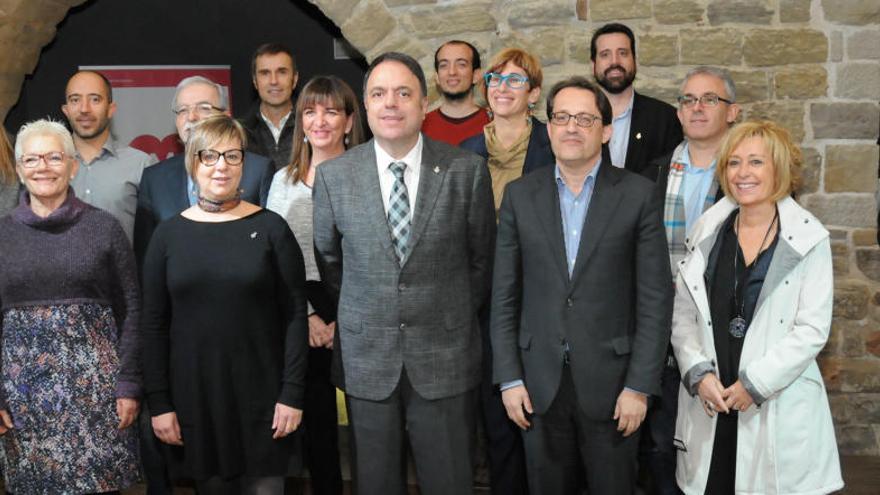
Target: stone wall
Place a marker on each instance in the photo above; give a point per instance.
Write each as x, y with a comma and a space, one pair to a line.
814, 65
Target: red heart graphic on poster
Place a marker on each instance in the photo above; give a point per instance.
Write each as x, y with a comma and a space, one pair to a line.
151, 145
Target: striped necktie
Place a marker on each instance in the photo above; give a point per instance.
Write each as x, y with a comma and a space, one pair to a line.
398, 211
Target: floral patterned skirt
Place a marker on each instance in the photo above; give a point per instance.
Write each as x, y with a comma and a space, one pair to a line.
59, 378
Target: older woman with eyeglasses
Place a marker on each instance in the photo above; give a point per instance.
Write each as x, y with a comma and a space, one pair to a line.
224, 328
69, 298
514, 143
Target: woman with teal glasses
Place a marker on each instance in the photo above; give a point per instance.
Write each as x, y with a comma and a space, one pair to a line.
514, 143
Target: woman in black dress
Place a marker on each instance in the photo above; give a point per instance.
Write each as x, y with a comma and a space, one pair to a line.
225, 329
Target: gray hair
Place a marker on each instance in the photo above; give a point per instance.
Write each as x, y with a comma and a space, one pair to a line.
45, 128
189, 81
718, 72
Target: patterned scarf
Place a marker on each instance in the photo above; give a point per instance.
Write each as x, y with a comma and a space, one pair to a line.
505, 164
673, 209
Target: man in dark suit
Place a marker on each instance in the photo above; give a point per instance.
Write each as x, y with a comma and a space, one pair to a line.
581, 303
644, 127
404, 229
166, 189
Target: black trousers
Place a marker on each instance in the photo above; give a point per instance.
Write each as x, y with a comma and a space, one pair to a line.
566, 451
440, 433
657, 450
321, 425
507, 460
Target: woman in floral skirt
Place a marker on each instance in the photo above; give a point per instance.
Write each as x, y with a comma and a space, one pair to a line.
69, 298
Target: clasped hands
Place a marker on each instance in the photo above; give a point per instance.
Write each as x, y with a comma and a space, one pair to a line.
629, 412
320, 333
715, 398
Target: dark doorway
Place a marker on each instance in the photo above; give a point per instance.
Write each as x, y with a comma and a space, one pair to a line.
191, 32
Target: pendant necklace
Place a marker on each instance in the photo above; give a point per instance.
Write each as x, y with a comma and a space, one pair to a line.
737, 327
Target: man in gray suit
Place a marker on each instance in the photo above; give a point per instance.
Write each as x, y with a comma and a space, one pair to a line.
404, 232
581, 303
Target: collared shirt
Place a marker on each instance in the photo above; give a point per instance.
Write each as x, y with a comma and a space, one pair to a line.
276, 131
413, 160
695, 186
620, 136
112, 180
574, 212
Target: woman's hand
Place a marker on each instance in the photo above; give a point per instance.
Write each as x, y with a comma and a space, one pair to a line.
286, 420
127, 411
319, 332
331, 328
5, 421
711, 395
737, 397
166, 427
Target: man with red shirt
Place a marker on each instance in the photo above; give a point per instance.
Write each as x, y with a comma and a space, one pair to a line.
457, 66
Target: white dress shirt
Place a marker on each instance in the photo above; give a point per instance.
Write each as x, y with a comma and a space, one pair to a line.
413, 161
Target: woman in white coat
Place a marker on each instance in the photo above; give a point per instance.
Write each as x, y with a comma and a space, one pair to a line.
752, 311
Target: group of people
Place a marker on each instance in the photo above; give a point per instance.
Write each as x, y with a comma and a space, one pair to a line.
557, 282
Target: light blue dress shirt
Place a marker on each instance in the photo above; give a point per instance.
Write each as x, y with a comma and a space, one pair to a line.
695, 187
620, 136
574, 212
191, 191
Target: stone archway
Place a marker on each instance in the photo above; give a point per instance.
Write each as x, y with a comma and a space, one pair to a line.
813, 65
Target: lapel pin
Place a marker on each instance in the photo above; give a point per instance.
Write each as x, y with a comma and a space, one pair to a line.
436, 170
253, 235
638, 135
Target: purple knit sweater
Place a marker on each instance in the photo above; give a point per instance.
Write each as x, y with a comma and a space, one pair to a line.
78, 254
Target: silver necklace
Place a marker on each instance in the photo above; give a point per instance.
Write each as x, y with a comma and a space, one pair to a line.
738, 326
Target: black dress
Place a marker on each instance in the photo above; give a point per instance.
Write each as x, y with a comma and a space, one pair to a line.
724, 305
225, 338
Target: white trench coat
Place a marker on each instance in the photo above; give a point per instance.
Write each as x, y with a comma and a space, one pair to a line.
787, 445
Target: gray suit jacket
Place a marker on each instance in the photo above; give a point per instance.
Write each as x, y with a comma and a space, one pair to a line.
421, 316
613, 313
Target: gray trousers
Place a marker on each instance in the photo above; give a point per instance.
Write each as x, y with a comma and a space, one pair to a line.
440, 433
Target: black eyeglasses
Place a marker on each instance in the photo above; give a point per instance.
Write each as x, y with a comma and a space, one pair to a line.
211, 157
708, 100
584, 120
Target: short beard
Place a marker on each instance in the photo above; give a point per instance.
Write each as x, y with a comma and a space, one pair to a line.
615, 87
97, 132
458, 96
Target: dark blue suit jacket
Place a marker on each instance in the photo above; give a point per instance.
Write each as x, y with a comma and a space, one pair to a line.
538, 154
163, 193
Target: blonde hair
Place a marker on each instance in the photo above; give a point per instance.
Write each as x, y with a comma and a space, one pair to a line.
210, 131
520, 58
785, 155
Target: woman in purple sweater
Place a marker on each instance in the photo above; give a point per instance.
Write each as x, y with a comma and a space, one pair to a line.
68, 292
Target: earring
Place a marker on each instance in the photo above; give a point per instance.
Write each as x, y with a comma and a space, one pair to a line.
305, 139
346, 140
